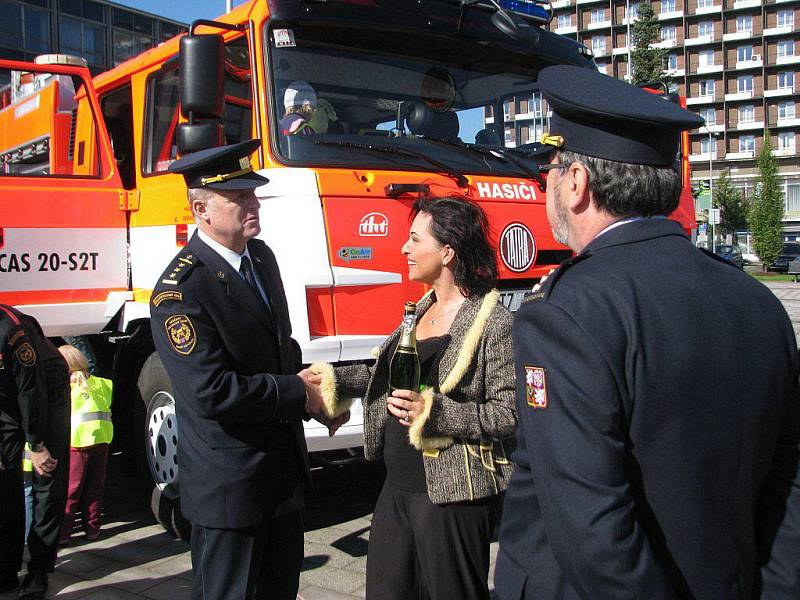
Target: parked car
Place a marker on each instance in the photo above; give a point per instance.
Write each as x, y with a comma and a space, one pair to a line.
732, 253
789, 252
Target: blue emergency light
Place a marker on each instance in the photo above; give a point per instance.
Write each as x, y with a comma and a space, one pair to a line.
532, 8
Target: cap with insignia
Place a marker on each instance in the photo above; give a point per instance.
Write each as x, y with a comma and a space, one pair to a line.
222, 168
603, 117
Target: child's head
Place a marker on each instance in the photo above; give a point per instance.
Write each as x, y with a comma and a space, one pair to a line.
77, 362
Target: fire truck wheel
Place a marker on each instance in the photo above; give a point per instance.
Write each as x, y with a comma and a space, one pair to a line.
161, 446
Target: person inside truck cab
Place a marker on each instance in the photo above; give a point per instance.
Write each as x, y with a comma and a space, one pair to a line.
300, 104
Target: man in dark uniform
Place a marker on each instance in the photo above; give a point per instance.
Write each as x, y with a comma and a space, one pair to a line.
34, 408
221, 327
657, 448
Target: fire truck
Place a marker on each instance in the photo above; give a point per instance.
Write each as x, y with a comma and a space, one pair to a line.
412, 98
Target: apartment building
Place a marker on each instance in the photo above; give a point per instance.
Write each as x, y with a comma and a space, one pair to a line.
736, 61
102, 32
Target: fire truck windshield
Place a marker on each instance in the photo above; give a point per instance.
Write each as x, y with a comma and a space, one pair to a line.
339, 95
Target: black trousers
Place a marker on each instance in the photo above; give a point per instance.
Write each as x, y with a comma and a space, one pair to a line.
12, 507
419, 550
50, 493
254, 563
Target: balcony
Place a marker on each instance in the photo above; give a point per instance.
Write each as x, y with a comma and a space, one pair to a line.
703, 39
599, 52
488, 120
697, 158
676, 72
784, 1
566, 30
712, 128
708, 10
742, 4
619, 51
560, 4
736, 36
738, 96
703, 69
673, 14
664, 44
784, 152
747, 154
599, 25
787, 91
589, 1
701, 100
787, 60
788, 122
749, 125
778, 31
754, 63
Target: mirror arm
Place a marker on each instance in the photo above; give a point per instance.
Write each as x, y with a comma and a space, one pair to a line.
217, 24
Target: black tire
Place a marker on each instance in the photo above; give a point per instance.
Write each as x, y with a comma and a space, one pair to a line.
158, 446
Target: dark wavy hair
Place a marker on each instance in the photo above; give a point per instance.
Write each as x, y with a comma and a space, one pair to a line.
463, 226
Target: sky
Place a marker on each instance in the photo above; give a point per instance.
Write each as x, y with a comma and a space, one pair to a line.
184, 11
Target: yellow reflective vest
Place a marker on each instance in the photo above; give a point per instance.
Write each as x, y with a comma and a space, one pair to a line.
27, 464
91, 413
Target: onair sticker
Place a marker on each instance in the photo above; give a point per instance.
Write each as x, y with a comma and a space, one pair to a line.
284, 38
374, 225
349, 253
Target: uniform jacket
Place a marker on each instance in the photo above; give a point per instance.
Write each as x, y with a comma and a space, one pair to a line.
242, 452
658, 439
466, 428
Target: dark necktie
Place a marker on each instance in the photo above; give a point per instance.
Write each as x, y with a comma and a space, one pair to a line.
246, 269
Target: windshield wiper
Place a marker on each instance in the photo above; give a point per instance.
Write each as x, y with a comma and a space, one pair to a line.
460, 179
501, 153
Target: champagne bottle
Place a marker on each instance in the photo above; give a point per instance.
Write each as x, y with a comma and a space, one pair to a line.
404, 367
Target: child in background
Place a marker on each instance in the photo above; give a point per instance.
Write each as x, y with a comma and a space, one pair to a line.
91, 434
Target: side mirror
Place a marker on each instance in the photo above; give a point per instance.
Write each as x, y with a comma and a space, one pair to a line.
202, 95
515, 27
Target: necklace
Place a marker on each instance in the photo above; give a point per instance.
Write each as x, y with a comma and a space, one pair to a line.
432, 320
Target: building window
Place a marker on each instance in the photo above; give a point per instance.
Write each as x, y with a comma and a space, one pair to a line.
633, 11
602, 68
785, 110
598, 15
786, 142
747, 113
86, 9
24, 28
786, 80
564, 21
83, 38
747, 143
707, 146
169, 31
792, 194
133, 34
706, 58
536, 105
707, 88
705, 29
786, 18
508, 136
507, 111
705, 3
672, 62
744, 83
709, 115
744, 53
744, 24
599, 44
669, 33
785, 48
667, 6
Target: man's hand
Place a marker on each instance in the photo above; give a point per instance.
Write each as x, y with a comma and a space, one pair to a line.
332, 424
313, 395
43, 463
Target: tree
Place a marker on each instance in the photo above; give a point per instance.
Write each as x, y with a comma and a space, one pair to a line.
647, 62
732, 205
766, 207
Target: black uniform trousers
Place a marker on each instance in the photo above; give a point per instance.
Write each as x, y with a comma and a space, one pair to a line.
50, 493
235, 564
12, 504
419, 550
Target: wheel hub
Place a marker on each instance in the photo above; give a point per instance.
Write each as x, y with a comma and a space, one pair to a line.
162, 439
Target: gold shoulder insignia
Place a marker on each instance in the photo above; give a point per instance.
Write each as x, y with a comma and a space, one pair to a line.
180, 332
168, 295
538, 295
26, 355
15, 337
179, 268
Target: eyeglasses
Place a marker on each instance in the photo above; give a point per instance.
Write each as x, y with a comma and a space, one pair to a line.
551, 166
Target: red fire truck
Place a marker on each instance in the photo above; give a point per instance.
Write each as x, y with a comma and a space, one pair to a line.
412, 98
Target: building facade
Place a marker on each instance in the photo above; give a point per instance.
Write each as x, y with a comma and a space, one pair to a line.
103, 33
736, 61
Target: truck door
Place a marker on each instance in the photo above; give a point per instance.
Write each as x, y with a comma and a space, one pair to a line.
63, 223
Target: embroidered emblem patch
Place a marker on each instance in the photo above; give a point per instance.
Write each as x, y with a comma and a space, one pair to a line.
26, 355
170, 295
535, 387
181, 334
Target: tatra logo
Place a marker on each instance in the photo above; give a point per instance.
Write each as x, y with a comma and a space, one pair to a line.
507, 191
373, 225
517, 247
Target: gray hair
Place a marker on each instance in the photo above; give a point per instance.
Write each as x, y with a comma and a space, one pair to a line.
626, 189
197, 194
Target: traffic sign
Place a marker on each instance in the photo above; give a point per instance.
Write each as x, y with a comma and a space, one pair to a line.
713, 217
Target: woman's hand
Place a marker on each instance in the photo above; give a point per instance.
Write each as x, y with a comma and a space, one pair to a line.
405, 405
